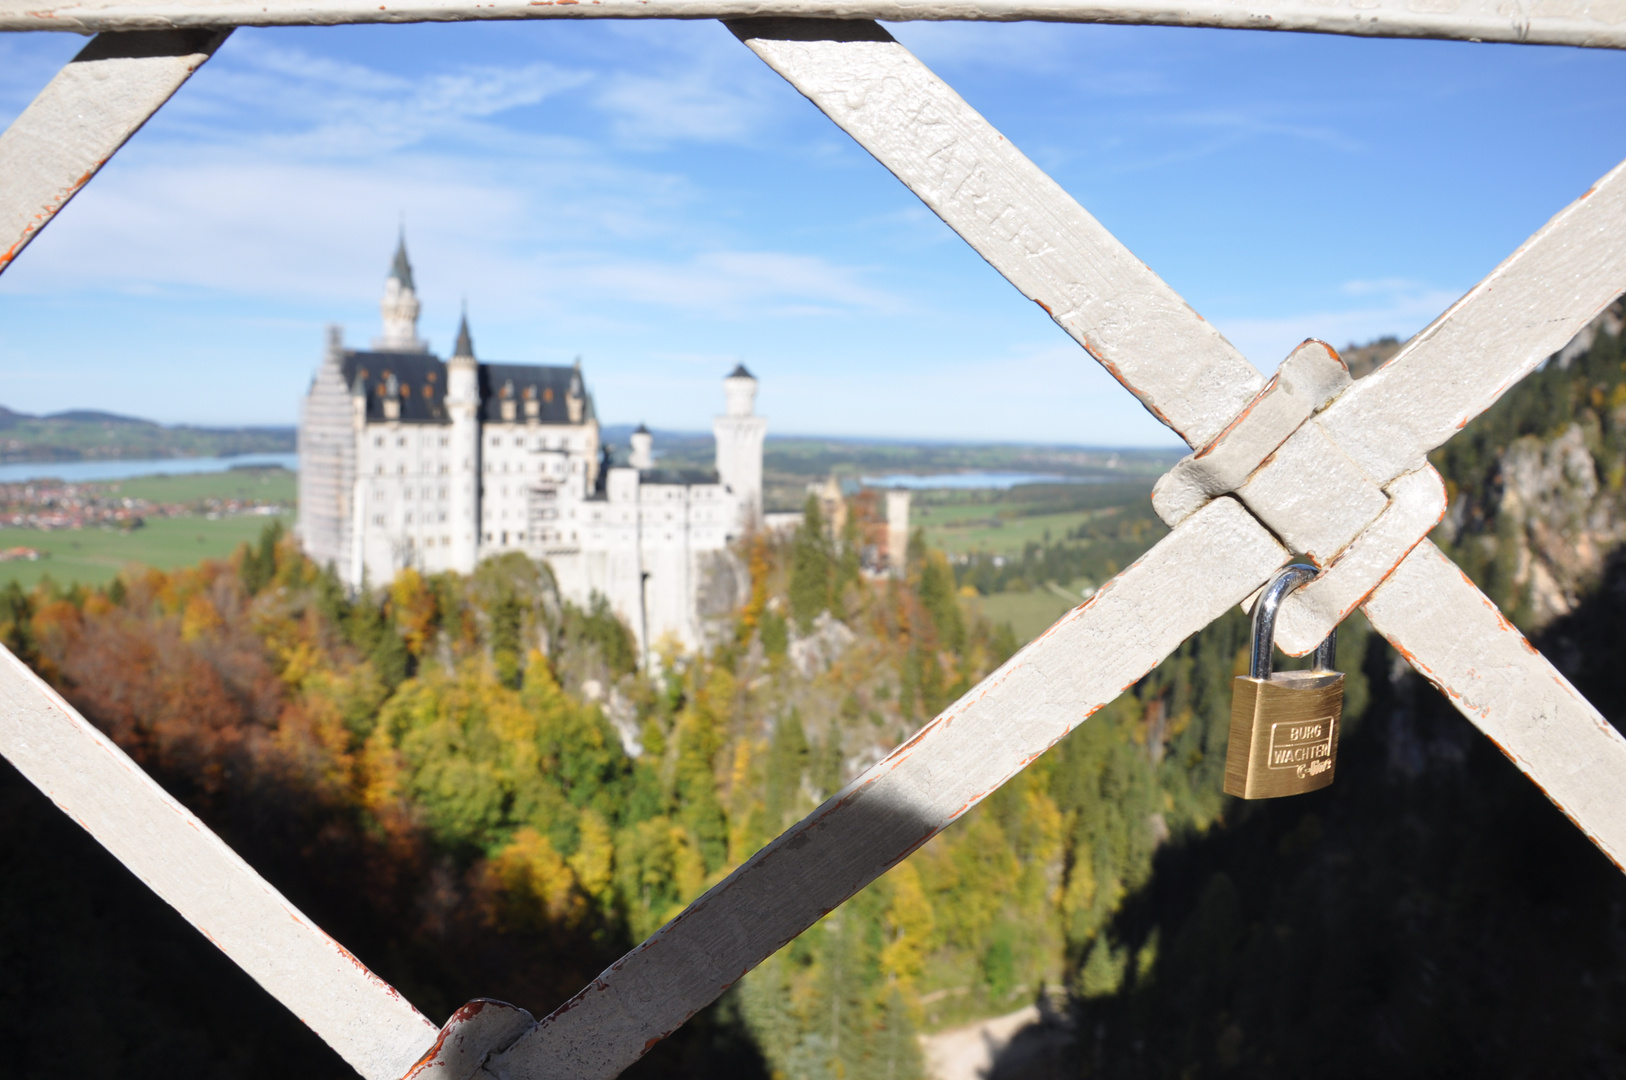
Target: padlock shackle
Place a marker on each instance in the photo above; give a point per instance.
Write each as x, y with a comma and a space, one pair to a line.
1261, 662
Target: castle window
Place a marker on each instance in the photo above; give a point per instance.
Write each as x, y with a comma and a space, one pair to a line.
378, 519
379, 441
401, 441
380, 469
406, 493
409, 522
443, 440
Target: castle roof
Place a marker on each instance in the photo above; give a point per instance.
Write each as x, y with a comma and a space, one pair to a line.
549, 386
420, 384
413, 375
739, 372
465, 344
401, 268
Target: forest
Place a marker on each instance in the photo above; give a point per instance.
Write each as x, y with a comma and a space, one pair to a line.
471, 784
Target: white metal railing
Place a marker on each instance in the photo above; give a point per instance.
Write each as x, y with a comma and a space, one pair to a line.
1307, 461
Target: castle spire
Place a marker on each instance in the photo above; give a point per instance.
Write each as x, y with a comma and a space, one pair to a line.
401, 268
465, 344
399, 307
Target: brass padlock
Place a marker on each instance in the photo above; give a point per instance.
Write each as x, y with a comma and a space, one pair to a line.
1284, 726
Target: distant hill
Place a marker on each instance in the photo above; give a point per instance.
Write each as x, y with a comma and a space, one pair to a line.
87, 434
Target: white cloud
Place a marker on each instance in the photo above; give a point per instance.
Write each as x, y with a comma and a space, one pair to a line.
286, 101
729, 282
690, 105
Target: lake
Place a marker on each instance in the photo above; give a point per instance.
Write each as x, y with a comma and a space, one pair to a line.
83, 472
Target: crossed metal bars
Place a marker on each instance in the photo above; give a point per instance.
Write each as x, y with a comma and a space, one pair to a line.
1306, 461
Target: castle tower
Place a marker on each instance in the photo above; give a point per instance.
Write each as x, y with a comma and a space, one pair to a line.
739, 433
897, 531
463, 406
400, 308
643, 449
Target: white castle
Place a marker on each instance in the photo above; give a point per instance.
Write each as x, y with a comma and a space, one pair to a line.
407, 460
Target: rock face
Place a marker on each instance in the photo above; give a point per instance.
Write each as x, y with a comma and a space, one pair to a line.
1562, 521
1537, 488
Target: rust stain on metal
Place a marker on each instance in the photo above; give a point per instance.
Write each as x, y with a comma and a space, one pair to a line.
1263, 393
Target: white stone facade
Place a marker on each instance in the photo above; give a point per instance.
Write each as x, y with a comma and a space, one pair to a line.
410, 461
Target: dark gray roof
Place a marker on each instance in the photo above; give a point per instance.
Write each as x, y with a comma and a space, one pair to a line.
416, 373
549, 386
640, 430
413, 373
465, 344
739, 372
401, 269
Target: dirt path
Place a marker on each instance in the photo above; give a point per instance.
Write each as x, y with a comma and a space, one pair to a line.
1027, 1045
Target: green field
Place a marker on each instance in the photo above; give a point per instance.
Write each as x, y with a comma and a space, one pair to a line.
260, 485
93, 556
1029, 613
957, 529
1003, 522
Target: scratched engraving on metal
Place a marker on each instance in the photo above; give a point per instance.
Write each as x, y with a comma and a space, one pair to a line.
1015, 216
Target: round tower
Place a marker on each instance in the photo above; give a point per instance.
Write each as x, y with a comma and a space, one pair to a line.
739, 435
463, 407
400, 307
643, 449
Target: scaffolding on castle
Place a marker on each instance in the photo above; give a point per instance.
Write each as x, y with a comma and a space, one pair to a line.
1307, 462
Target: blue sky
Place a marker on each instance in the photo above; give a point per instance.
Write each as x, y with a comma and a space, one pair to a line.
651, 197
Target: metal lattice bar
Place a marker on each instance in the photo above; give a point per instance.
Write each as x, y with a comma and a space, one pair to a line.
1467, 20
1015, 216
82, 117
995, 731
165, 845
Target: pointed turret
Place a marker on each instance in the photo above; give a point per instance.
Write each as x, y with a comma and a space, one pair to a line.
401, 268
465, 343
463, 407
400, 307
